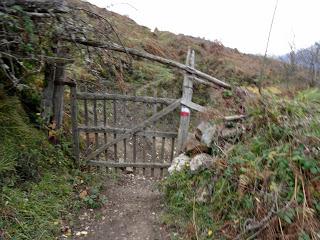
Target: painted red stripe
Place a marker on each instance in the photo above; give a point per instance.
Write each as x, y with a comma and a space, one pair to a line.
184, 114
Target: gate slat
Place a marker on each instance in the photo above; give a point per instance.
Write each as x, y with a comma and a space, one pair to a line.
115, 147
172, 149
86, 122
162, 154
95, 123
125, 150
134, 150
74, 118
144, 153
105, 124
154, 154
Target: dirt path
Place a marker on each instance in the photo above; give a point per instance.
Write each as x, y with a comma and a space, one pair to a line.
132, 212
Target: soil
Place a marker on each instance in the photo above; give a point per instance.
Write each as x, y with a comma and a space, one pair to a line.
132, 212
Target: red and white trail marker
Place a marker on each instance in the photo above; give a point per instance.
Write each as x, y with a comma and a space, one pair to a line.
185, 112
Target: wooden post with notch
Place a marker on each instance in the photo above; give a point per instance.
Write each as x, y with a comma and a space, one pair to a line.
187, 90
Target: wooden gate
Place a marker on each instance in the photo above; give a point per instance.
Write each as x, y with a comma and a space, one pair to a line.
141, 132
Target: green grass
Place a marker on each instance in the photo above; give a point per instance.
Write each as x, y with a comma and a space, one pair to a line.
39, 190
277, 159
35, 211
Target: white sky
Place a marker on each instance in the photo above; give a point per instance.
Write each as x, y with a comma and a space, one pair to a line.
242, 24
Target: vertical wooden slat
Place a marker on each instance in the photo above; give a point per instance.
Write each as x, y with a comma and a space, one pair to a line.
115, 147
172, 149
125, 150
154, 154
134, 150
58, 94
105, 124
185, 111
74, 119
164, 120
162, 149
162, 154
144, 153
155, 106
125, 110
95, 123
86, 122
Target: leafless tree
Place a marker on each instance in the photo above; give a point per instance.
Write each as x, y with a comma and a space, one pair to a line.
310, 59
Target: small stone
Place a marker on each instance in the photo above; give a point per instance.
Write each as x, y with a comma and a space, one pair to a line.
202, 160
129, 170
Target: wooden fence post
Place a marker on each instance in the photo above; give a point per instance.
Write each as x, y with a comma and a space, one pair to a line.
187, 90
58, 94
74, 123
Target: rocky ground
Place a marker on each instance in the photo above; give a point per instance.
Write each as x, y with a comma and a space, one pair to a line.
132, 212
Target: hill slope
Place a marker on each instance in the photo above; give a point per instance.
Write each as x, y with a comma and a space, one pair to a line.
211, 57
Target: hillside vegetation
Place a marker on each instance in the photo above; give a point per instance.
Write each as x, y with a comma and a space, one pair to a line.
273, 170
265, 186
211, 57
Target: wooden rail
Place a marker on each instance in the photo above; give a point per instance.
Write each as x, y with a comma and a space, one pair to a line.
128, 164
103, 129
107, 96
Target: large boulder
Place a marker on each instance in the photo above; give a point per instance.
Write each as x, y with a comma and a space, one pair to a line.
200, 161
193, 146
178, 163
206, 133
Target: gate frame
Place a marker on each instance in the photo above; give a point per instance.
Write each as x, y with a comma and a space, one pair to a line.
184, 102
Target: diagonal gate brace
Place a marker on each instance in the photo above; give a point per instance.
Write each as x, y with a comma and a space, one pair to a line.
136, 129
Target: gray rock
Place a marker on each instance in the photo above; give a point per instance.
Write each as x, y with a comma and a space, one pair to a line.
179, 163
202, 160
194, 146
128, 170
206, 133
201, 128
208, 136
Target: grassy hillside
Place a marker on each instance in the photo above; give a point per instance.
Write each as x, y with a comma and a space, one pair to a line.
211, 57
266, 186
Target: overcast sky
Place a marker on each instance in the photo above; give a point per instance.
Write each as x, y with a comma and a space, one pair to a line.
242, 24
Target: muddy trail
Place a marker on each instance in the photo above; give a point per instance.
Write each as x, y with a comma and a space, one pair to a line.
132, 212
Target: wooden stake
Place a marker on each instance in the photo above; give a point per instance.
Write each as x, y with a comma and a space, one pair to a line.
185, 111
